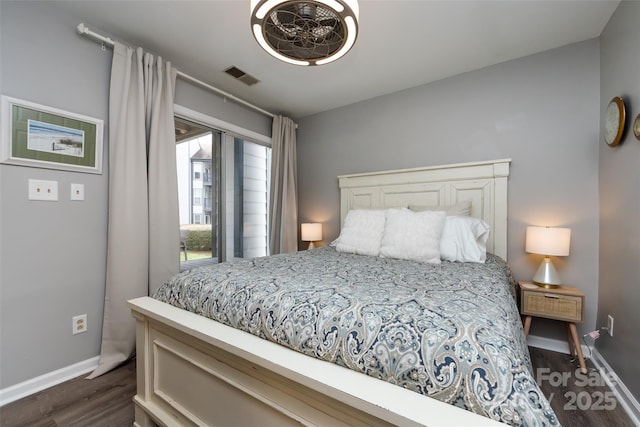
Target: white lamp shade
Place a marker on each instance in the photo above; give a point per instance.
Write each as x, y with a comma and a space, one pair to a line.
311, 232
548, 240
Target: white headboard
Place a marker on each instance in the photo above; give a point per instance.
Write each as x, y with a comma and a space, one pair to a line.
484, 183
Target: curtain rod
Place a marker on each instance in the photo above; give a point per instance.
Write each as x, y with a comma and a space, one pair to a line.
84, 30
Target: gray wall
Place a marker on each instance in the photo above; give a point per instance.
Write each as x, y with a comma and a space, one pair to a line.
542, 111
205, 102
53, 254
619, 176
52, 259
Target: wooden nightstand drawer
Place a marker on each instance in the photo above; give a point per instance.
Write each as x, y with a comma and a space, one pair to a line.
564, 303
553, 306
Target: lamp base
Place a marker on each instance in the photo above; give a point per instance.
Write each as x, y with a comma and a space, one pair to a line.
547, 285
311, 246
547, 276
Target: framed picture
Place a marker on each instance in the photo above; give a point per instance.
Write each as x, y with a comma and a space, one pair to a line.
45, 137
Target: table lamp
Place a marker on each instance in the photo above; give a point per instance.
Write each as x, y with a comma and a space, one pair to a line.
548, 241
311, 232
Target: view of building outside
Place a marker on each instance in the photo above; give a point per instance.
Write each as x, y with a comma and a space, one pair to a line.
196, 182
195, 179
237, 200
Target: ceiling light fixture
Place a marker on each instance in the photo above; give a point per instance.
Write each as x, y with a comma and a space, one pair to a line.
312, 32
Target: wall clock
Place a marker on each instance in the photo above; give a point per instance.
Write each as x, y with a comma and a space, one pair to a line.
636, 127
614, 116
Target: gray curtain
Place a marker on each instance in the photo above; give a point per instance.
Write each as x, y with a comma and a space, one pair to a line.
283, 213
143, 237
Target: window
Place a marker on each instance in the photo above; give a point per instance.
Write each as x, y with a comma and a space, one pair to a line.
223, 184
197, 196
197, 150
249, 214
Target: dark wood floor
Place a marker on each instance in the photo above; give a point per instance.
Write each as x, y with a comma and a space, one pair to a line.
577, 399
106, 401
101, 402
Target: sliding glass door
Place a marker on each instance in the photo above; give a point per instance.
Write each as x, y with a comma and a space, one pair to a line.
248, 170
197, 161
223, 186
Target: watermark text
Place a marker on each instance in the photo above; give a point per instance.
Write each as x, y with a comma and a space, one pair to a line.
594, 400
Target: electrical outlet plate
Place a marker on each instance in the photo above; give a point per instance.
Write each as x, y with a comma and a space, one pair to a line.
610, 325
77, 191
40, 189
79, 324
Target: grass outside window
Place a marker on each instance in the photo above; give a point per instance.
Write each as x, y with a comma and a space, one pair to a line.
193, 255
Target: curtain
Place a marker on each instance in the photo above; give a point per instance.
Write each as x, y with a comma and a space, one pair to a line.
143, 235
283, 212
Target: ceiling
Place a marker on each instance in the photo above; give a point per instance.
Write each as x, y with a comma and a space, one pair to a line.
401, 44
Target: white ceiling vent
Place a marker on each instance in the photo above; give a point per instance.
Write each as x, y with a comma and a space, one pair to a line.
238, 74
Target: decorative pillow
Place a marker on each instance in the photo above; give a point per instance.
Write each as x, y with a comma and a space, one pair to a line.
413, 235
459, 209
361, 232
464, 239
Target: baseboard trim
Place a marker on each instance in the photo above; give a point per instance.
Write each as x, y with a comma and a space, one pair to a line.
553, 345
625, 398
34, 385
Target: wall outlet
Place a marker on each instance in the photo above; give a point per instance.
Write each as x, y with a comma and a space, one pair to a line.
40, 189
79, 324
610, 325
77, 191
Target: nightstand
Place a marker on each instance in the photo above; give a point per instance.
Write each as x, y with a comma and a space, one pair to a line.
564, 303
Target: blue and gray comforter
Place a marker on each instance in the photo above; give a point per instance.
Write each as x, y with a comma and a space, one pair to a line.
450, 331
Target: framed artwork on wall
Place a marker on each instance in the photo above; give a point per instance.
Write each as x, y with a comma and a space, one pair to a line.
636, 127
39, 136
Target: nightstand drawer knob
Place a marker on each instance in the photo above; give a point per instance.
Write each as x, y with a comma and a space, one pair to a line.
551, 296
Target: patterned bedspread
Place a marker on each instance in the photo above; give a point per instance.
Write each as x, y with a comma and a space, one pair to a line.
451, 331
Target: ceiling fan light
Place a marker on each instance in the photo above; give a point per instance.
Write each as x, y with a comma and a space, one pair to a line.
264, 8
307, 10
313, 32
257, 33
351, 39
335, 5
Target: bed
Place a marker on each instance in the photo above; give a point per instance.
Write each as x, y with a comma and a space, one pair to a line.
253, 365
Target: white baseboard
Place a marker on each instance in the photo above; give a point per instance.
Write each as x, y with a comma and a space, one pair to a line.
624, 396
547, 344
34, 385
553, 345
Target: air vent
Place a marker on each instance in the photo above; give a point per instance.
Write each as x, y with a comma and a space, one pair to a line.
238, 74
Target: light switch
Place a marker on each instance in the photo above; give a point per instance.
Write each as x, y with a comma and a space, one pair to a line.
77, 191
43, 190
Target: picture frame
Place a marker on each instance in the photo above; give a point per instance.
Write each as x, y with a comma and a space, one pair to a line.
36, 135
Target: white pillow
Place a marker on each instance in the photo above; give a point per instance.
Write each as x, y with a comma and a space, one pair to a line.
464, 239
460, 208
413, 235
361, 232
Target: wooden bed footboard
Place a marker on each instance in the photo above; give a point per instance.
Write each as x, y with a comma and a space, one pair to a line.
193, 371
